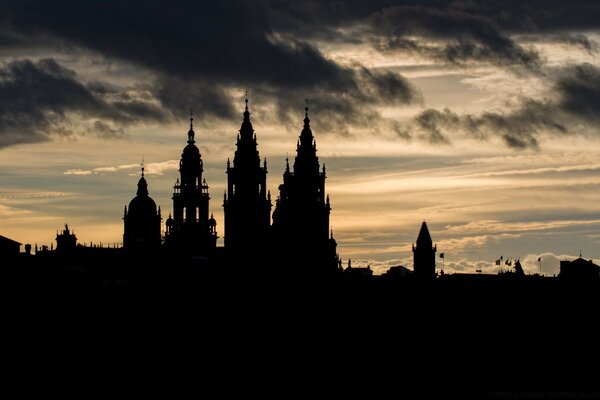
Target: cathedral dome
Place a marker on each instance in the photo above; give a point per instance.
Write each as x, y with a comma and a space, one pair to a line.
212, 221
142, 204
191, 149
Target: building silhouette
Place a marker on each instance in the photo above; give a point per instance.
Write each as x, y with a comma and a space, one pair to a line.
9, 248
301, 217
142, 223
66, 241
579, 270
190, 230
246, 204
424, 255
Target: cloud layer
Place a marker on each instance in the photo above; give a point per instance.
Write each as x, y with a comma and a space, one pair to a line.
37, 99
200, 54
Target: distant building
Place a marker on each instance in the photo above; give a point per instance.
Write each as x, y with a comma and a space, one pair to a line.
301, 217
579, 270
247, 204
398, 271
9, 248
358, 271
190, 230
424, 255
66, 241
142, 221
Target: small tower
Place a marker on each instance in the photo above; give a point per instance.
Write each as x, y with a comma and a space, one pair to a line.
424, 255
66, 241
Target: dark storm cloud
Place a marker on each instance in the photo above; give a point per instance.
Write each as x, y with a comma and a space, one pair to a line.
578, 40
578, 91
518, 129
198, 53
571, 107
207, 98
36, 98
430, 121
240, 41
451, 30
229, 41
337, 111
387, 87
461, 36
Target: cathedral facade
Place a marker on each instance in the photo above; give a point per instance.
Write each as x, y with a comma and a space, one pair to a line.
299, 234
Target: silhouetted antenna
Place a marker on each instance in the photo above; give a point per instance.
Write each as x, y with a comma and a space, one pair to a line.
246, 98
191, 118
306, 107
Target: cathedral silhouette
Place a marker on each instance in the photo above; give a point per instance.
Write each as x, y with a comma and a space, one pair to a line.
299, 237
274, 308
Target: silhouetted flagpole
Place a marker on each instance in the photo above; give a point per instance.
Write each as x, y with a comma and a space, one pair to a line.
540, 260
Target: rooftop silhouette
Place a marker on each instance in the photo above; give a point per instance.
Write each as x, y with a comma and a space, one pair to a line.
277, 302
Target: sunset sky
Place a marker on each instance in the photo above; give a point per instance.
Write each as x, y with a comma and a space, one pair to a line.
481, 118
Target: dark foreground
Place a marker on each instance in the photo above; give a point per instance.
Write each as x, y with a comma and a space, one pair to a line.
239, 334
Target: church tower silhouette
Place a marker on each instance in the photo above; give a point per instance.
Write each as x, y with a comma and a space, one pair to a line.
142, 221
424, 255
247, 204
190, 230
301, 216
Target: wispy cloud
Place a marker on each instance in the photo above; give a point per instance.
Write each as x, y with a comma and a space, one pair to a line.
500, 226
32, 195
149, 169
7, 212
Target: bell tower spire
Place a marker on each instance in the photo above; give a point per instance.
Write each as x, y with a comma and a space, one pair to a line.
247, 207
189, 230
191, 133
306, 120
301, 217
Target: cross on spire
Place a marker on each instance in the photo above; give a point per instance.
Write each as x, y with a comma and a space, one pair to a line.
306, 119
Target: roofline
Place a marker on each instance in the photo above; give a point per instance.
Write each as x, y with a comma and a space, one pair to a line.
10, 240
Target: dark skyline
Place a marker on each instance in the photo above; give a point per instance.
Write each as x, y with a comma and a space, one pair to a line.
480, 118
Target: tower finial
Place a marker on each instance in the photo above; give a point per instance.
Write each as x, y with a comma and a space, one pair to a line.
247, 115
191, 133
306, 120
191, 118
142, 164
